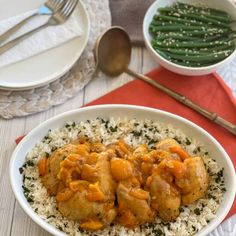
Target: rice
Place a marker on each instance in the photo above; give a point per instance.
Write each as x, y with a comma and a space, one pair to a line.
192, 218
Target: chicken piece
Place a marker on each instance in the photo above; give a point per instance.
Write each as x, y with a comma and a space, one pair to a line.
150, 160
133, 210
165, 144
137, 155
140, 151
50, 179
160, 155
120, 149
170, 145
194, 183
79, 208
96, 200
88, 173
136, 160
165, 198
105, 178
97, 147
169, 169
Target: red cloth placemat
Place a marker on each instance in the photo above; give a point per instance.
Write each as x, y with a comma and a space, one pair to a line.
208, 91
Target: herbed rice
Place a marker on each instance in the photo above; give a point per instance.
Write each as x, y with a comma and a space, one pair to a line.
192, 218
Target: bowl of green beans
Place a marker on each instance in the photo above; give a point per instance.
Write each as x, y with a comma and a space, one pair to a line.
191, 37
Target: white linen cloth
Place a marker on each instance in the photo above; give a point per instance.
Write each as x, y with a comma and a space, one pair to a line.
41, 41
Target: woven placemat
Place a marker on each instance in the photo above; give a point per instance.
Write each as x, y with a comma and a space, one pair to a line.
23, 103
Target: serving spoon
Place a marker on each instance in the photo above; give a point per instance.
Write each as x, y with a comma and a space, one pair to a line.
113, 54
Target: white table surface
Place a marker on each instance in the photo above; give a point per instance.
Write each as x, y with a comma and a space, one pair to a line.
13, 221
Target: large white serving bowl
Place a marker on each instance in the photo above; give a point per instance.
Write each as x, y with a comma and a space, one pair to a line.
225, 5
106, 111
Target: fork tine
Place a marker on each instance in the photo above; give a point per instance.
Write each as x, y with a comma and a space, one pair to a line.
59, 4
70, 9
54, 4
65, 6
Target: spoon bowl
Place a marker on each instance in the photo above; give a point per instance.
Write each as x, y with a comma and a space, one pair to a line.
113, 51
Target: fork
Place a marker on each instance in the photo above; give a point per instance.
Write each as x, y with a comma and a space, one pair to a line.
57, 18
50, 7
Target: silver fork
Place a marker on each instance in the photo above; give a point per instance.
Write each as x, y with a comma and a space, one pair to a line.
50, 7
57, 18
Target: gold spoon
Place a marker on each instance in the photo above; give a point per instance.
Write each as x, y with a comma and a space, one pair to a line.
113, 53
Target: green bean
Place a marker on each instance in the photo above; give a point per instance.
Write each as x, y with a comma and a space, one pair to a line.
183, 62
178, 27
210, 11
190, 64
180, 12
180, 51
185, 37
171, 11
192, 52
164, 10
218, 48
198, 34
163, 54
175, 37
199, 17
191, 44
218, 18
193, 36
194, 30
216, 38
205, 34
161, 18
211, 57
166, 24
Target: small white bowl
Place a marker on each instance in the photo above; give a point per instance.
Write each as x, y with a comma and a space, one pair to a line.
106, 111
225, 5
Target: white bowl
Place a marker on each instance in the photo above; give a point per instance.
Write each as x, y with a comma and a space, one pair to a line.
106, 111
225, 5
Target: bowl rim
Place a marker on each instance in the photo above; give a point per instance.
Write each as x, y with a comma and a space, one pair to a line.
64, 116
195, 69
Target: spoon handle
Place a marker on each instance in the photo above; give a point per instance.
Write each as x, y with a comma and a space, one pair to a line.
210, 115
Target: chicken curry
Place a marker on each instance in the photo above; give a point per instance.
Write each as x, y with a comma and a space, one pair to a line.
98, 185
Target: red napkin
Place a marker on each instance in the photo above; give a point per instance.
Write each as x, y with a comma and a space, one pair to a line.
209, 91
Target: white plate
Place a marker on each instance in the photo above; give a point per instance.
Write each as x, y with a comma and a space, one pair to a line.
140, 113
47, 66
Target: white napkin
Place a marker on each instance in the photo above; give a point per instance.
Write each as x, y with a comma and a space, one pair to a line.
43, 40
